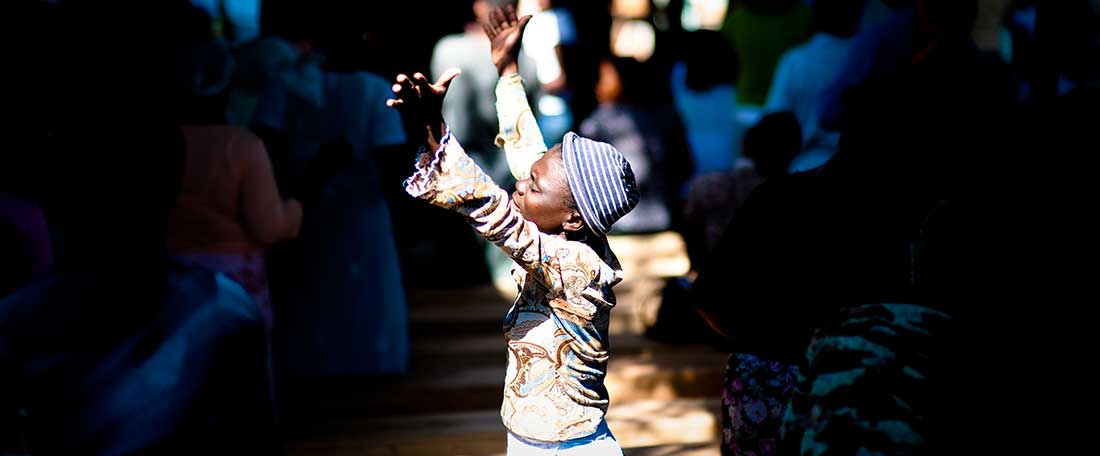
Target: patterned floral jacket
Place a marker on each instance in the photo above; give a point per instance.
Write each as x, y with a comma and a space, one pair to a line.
557, 329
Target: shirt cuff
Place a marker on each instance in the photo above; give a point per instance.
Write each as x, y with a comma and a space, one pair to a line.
427, 163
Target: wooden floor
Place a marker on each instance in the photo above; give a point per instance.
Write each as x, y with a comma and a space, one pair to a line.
664, 397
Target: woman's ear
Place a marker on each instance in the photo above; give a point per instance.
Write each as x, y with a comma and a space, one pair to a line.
573, 223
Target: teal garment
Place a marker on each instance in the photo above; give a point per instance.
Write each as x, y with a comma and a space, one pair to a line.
869, 384
760, 40
344, 311
350, 317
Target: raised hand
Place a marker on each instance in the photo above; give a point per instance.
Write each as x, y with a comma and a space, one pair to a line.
421, 103
505, 33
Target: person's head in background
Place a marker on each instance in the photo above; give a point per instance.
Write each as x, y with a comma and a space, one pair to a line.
839, 18
618, 81
773, 143
609, 88
710, 60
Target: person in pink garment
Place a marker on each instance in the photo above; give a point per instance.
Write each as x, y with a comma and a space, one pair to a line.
229, 209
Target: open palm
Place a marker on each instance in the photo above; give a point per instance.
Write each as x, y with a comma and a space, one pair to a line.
505, 33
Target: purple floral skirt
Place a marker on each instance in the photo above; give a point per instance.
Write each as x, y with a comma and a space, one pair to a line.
754, 398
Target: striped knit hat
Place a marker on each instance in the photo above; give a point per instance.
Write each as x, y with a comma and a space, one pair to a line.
600, 179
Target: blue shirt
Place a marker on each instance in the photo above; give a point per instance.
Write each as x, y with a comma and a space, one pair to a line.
801, 79
710, 122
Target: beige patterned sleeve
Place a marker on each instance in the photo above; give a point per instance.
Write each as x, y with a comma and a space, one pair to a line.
519, 135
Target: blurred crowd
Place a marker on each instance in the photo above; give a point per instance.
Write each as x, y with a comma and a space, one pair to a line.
205, 207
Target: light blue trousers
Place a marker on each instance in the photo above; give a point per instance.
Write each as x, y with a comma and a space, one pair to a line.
601, 443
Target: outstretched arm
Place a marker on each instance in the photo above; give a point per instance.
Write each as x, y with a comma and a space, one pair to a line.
446, 177
519, 135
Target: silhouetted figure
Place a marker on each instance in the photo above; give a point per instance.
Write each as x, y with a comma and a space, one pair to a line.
714, 198
229, 210
755, 390
819, 247
123, 350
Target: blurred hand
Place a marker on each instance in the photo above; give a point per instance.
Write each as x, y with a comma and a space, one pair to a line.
421, 103
506, 34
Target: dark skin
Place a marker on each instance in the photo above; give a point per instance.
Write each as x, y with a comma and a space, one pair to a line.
421, 104
544, 198
505, 33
